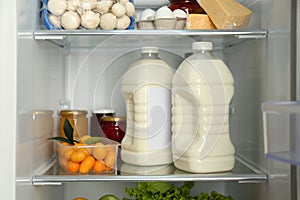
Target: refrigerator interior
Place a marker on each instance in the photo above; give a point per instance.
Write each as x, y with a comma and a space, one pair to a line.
84, 72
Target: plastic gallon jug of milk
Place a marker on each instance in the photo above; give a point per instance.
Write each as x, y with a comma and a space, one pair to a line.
146, 88
202, 90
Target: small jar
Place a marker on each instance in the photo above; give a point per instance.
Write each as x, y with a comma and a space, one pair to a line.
78, 120
96, 117
189, 6
114, 128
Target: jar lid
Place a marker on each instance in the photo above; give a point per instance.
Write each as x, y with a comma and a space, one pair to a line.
113, 119
149, 50
202, 46
73, 112
103, 111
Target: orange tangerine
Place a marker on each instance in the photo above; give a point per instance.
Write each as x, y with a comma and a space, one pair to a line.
108, 168
110, 158
65, 143
99, 152
73, 167
68, 153
87, 164
86, 150
78, 156
99, 166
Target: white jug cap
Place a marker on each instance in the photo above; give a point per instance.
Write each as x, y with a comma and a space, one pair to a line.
202, 46
149, 50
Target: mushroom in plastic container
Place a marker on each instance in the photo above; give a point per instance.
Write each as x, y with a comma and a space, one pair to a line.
55, 20
88, 4
73, 5
118, 10
102, 7
108, 21
123, 1
57, 7
90, 19
70, 20
130, 9
123, 22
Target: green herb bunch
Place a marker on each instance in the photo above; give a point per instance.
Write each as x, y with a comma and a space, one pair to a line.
168, 191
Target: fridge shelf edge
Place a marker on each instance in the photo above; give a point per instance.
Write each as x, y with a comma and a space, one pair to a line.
240, 34
253, 175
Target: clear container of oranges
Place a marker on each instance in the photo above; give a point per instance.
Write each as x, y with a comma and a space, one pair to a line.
90, 155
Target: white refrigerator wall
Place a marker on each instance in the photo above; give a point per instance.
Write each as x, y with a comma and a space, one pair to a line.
37, 76
8, 59
40, 86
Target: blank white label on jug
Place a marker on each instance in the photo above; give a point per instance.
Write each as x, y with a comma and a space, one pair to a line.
159, 118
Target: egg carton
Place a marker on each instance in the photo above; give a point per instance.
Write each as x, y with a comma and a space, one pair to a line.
46, 23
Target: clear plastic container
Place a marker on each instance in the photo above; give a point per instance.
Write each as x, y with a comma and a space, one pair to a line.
99, 157
281, 123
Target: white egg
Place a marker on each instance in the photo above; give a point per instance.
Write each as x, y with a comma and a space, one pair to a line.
178, 13
164, 12
147, 14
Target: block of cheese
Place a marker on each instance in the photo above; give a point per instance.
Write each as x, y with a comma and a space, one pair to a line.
199, 21
226, 14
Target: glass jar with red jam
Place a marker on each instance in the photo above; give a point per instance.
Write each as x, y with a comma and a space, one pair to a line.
189, 6
114, 127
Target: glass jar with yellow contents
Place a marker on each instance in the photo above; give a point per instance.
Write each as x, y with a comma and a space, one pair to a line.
78, 119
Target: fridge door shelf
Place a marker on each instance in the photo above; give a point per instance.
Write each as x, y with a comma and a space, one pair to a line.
90, 38
281, 122
243, 172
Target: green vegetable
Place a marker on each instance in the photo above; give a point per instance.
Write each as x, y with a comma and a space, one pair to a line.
109, 197
159, 191
168, 191
93, 140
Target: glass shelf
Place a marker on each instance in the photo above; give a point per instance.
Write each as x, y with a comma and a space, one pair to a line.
243, 172
84, 38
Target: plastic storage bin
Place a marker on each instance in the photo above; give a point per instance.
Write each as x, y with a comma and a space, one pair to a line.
281, 123
50, 26
99, 157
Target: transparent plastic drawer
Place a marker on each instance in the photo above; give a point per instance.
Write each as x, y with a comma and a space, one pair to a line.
281, 123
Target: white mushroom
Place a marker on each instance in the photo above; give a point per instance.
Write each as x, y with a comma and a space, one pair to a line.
109, 2
88, 4
108, 21
70, 20
118, 10
55, 20
102, 7
130, 9
80, 10
123, 22
90, 19
123, 1
57, 7
73, 5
